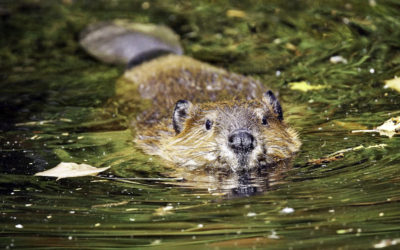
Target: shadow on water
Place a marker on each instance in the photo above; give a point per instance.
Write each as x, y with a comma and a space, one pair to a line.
52, 103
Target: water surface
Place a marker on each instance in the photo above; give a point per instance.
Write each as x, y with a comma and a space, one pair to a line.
53, 98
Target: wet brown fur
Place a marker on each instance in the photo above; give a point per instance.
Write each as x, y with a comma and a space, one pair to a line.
230, 100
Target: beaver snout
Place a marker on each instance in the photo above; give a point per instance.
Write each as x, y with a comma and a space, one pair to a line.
241, 141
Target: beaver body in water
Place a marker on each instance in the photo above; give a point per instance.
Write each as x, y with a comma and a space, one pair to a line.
194, 115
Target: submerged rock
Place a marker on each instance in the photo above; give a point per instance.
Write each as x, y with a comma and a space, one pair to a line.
120, 41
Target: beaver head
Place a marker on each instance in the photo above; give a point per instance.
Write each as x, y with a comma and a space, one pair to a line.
234, 135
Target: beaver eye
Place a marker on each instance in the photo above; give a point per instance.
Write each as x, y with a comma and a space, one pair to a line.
208, 124
264, 120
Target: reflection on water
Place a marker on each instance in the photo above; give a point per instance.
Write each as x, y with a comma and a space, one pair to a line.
350, 203
234, 184
247, 186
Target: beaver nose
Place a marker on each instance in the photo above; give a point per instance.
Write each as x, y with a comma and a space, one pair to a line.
241, 140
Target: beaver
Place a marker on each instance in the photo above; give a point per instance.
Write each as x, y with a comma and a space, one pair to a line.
190, 113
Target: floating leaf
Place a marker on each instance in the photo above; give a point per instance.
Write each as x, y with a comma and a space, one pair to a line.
71, 169
389, 128
393, 84
236, 13
305, 86
291, 46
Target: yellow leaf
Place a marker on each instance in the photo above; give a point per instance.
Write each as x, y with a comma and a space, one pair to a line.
304, 86
71, 169
344, 231
236, 13
291, 46
393, 84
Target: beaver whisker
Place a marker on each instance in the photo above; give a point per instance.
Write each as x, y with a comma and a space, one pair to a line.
192, 151
282, 150
193, 157
278, 147
195, 148
202, 153
217, 164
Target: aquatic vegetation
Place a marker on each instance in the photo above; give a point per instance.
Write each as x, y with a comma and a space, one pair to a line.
55, 107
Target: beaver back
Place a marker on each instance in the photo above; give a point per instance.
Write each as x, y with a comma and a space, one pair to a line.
165, 80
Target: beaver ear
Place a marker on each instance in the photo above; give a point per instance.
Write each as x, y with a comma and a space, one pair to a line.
180, 114
270, 99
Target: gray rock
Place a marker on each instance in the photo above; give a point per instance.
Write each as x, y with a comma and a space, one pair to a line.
119, 41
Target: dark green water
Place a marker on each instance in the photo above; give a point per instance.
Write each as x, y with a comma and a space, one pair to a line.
352, 203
